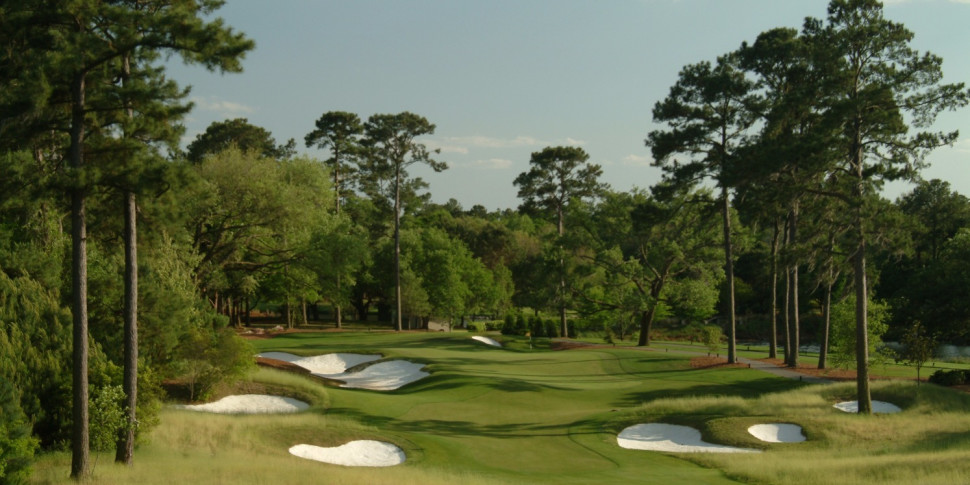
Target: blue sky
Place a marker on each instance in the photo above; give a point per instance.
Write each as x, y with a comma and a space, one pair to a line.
504, 78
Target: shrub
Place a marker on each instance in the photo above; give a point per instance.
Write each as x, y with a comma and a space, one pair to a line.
521, 325
107, 416
949, 377
17, 446
711, 335
508, 326
537, 327
210, 359
552, 331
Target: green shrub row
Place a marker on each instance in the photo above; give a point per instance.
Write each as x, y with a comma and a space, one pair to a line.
950, 377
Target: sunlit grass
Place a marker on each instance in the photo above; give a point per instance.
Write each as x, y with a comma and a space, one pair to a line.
519, 415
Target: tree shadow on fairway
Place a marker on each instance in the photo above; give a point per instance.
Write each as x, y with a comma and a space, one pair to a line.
942, 441
442, 427
672, 389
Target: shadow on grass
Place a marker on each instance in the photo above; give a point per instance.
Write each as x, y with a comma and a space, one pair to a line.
942, 441
450, 428
739, 388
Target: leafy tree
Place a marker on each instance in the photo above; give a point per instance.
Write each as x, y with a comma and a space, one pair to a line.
456, 284
338, 131
936, 294
650, 253
709, 113
938, 212
237, 132
711, 336
878, 80
787, 160
556, 177
17, 446
75, 48
918, 347
843, 340
389, 141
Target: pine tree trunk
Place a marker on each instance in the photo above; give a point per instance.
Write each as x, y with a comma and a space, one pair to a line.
729, 272
336, 305
773, 342
126, 439
793, 304
785, 313
80, 444
823, 352
303, 309
397, 246
562, 276
861, 290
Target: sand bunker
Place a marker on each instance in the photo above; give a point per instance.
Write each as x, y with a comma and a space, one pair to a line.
670, 438
487, 340
250, 404
355, 453
877, 407
326, 364
382, 376
777, 433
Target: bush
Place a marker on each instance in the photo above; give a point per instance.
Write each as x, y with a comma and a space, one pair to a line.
17, 446
210, 359
552, 331
537, 327
711, 335
949, 377
508, 326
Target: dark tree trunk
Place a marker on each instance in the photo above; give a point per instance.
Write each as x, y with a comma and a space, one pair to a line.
862, 317
80, 446
793, 328
773, 342
646, 322
729, 272
397, 246
336, 306
125, 448
823, 351
562, 277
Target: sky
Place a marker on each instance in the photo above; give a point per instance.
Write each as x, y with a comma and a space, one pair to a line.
502, 79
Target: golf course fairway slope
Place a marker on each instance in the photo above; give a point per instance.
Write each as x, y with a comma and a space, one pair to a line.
534, 415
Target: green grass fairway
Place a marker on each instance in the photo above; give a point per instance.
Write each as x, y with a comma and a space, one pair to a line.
519, 415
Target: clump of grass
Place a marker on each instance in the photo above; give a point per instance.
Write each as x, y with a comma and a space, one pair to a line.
281, 383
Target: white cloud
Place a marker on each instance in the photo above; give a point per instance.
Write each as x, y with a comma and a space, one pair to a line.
962, 145
450, 148
574, 142
225, 108
480, 141
637, 160
492, 164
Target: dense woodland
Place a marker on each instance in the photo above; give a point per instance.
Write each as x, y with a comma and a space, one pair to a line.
128, 262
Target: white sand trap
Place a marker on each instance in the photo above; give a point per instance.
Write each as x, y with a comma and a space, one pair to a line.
486, 340
777, 433
670, 438
877, 407
355, 453
383, 376
250, 404
325, 364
